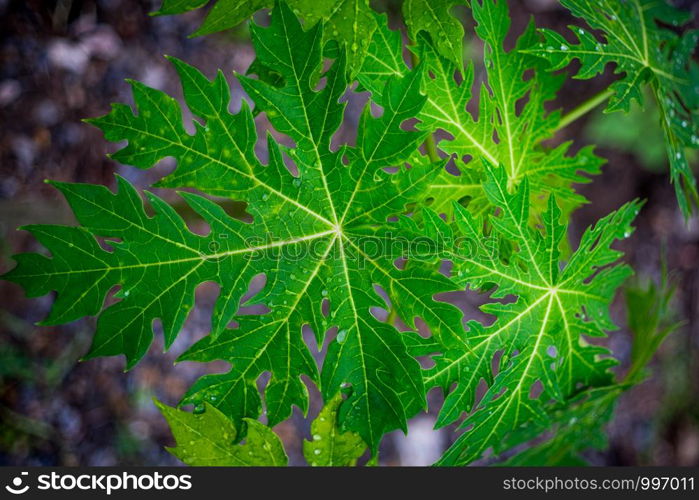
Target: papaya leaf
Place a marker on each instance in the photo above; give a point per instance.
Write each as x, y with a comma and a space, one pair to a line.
329, 446
505, 131
539, 339
209, 438
349, 23
639, 38
307, 237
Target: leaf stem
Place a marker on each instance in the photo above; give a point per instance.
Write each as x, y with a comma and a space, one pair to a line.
431, 148
584, 108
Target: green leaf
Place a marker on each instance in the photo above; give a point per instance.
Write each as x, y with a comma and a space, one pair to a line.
336, 233
329, 445
209, 439
350, 23
435, 18
580, 424
224, 14
544, 356
307, 236
575, 427
649, 316
644, 52
505, 131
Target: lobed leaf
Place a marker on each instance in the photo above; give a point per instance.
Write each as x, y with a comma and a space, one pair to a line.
539, 339
505, 131
308, 236
209, 438
349, 23
329, 446
644, 52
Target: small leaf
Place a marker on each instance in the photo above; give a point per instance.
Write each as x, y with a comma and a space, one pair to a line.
209, 439
435, 17
329, 446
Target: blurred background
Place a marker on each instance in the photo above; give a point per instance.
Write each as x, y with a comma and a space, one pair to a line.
65, 60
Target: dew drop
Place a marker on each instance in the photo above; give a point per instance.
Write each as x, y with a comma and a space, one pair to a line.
316, 437
296, 182
564, 47
324, 293
341, 335
678, 155
316, 451
265, 197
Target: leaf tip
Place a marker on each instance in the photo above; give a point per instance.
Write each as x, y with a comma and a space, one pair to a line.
158, 404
